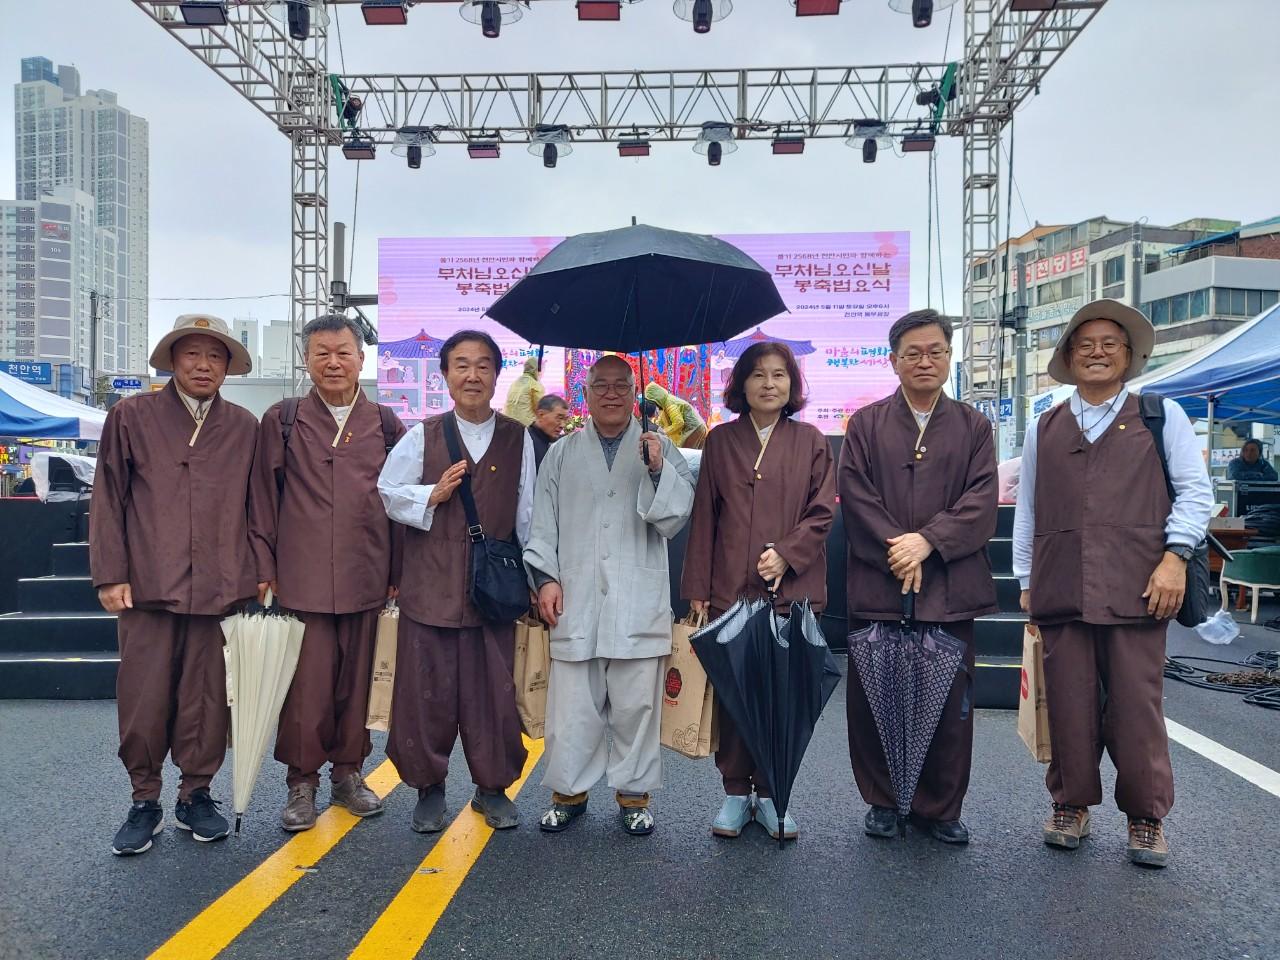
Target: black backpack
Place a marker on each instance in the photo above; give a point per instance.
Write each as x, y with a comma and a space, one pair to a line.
1196, 602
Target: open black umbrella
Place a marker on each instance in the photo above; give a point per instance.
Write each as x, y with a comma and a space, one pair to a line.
773, 675
907, 670
638, 288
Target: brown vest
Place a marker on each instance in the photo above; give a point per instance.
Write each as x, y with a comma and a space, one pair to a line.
1100, 513
437, 562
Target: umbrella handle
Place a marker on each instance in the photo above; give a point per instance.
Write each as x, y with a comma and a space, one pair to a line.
908, 606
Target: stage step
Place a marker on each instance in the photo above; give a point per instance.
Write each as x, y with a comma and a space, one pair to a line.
1000, 551
997, 682
57, 633
82, 675
1007, 593
57, 594
1004, 520
71, 559
999, 635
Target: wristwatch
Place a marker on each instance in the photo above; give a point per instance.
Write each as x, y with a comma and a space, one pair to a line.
1180, 550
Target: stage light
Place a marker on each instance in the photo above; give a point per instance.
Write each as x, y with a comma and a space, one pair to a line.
701, 13
1032, 6
204, 13
788, 144
869, 136
358, 148
599, 9
550, 141
918, 142
491, 14
484, 150
298, 16
384, 12
816, 8
633, 147
351, 110
414, 143
714, 141
921, 11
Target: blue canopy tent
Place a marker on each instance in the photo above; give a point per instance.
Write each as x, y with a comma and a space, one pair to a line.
34, 414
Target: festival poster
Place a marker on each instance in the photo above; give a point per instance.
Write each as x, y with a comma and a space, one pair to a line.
842, 291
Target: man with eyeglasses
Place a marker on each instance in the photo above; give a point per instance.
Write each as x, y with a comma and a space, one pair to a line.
918, 488
1101, 550
609, 497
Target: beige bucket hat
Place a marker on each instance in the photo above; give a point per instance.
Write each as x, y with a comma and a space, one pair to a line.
1142, 337
210, 326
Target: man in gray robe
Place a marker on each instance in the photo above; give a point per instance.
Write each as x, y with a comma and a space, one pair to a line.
598, 555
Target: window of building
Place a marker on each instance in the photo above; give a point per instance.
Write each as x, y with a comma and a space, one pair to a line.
1254, 303
1178, 308
1113, 270
1269, 298
1199, 303
1160, 313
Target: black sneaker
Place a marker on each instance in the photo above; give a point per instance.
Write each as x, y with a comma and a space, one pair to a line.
880, 822
146, 820
200, 816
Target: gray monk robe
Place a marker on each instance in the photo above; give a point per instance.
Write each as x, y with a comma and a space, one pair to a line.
787, 498
168, 517
600, 528
941, 484
318, 529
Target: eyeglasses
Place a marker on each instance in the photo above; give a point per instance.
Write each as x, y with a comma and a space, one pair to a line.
912, 358
1110, 346
604, 389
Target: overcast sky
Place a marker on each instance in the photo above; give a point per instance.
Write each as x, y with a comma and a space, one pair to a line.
1163, 109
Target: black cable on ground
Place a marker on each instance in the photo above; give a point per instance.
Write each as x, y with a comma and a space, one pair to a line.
1260, 685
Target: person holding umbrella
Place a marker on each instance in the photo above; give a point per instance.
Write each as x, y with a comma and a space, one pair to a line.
323, 545
453, 667
609, 498
169, 554
917, 484
1101, 539
764, 505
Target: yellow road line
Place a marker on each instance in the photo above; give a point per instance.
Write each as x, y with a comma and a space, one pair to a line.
409, 919
211, 931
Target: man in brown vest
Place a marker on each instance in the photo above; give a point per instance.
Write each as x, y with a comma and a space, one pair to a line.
323, 544
169, 553
917, 484
453, 668
1101, 550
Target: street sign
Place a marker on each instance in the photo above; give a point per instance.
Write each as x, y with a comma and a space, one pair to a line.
28, 371
126, 383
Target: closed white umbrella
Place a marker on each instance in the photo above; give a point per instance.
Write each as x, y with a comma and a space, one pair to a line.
261, 651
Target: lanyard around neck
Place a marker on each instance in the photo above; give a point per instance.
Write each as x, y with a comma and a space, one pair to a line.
764, 444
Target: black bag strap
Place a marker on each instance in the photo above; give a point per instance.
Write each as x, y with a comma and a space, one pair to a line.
389, 424
288, 415
1151, 406
454, 443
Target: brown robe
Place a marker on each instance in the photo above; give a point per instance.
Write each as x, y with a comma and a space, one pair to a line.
1100, 511
454, 670
169, 518
318, 528
737, 509
946, 490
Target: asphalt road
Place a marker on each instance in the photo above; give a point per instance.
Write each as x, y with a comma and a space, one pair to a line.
593, 892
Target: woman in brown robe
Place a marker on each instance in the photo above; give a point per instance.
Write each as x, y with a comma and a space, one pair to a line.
763, 508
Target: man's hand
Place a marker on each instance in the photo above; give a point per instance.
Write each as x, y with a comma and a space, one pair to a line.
393, 593
1024, 601
906, 551
263, 587
911, 582
700, 606
449, 482
550, 603
115, 597
1166, 587
651, 441
772, 567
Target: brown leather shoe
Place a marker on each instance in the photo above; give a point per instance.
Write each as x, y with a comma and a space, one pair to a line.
352, 792
300, 809
1067, 826
1147, 845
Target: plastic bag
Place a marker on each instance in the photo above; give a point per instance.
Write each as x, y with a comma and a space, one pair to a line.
1221, 628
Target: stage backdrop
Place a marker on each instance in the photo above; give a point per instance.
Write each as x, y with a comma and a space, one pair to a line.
843, 290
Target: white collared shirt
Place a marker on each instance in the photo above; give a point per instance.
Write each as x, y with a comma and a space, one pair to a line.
406, 497
1193, 492
199, 409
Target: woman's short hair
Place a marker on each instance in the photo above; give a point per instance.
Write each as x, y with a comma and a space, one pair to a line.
735, 392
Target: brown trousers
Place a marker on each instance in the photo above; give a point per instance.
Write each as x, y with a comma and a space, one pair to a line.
736, 765
450, 682
171, 693
324, 713
945, 777
1105, 687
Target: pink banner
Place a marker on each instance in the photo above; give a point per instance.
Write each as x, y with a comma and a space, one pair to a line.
843, 291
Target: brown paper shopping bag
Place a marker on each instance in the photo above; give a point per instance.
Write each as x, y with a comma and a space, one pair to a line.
532, 670
382, 682
688, 702
1033, 708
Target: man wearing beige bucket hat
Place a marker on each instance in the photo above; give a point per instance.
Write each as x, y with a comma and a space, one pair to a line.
169, 553
1101, 550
